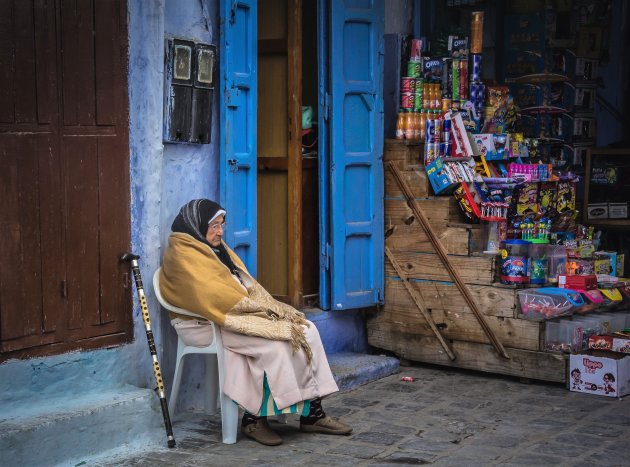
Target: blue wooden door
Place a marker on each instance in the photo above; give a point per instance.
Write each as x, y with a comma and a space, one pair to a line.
356, 150
238, 81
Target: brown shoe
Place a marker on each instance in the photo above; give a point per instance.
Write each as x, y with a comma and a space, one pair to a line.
327, 425
261, 432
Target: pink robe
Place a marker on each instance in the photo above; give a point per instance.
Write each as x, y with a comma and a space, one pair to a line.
291, 379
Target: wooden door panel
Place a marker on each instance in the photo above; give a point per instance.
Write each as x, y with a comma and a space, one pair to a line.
77, 42
114, 236
20, 274
108, 16
82, 230
25, 87
6, 58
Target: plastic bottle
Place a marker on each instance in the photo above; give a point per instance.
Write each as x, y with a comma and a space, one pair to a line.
409, 130
400, 125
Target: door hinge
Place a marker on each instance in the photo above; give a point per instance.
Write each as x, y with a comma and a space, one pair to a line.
63, 289
326, 256
378, 296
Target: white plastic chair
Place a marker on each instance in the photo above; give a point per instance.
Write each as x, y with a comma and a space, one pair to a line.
214, 365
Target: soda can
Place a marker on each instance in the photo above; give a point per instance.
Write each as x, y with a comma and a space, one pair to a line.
463, 79
431, 152
433, 130
407, 84
414, 69
475, 73
447, 76
445, 150
407, 100
455, 83
446, 130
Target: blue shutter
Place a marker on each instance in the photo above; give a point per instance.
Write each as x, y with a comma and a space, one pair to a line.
323, 154
356, 142
238, 64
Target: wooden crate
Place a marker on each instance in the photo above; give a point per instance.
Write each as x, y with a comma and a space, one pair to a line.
440, 211
413, 238
492, 300
546, 366
459, 324
415, 177
428, 266
406, 154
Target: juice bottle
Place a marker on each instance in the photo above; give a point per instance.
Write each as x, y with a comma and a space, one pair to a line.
400, 125
409, 130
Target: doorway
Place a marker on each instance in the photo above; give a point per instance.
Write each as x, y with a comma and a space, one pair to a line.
288, 197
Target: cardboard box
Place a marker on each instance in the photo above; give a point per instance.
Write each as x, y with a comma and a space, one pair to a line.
597, 211
617, 210
595, 372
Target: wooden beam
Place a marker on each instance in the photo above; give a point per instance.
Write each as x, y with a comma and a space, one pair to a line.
294, 111
439, 249
417, 299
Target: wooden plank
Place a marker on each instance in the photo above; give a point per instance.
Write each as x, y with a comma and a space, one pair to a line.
428, 266
46, 60
82, 233
453, 271
419, 303
413, 238
107, 65
398, 213
272, 232
24, 85
7, 56
417, 180
463, 325
545, 366
115, 295
272, 106
20, 248
78, 65
408, 155
294, 111
444, 296
52, 231
272, 19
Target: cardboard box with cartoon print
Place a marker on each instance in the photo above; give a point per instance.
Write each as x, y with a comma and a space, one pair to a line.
603, 373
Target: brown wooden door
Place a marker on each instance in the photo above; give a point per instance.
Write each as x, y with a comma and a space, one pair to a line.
64, 176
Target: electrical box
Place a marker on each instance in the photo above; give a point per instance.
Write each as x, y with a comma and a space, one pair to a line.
188, 88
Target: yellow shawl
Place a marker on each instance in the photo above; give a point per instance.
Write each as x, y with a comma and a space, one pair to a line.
193, 278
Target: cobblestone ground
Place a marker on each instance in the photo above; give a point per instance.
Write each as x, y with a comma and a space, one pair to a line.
444, 418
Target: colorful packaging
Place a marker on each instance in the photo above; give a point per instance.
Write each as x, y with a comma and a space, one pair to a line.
432, 68
566, 197
414, 69
456, 76
458, 46
463, 79
467, 202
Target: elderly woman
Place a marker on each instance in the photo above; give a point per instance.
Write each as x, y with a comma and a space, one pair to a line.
276, 361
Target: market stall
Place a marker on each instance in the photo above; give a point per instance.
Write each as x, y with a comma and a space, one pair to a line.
489, 264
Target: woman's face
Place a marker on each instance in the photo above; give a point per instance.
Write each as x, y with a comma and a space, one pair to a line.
215, 231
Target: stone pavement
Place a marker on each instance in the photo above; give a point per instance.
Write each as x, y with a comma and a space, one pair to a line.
446, 417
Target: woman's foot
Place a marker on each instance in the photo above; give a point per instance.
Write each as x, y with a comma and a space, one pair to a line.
326, 425
259, 430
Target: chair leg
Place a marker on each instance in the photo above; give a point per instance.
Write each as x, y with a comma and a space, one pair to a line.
212, 384
177, 379
229, 419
